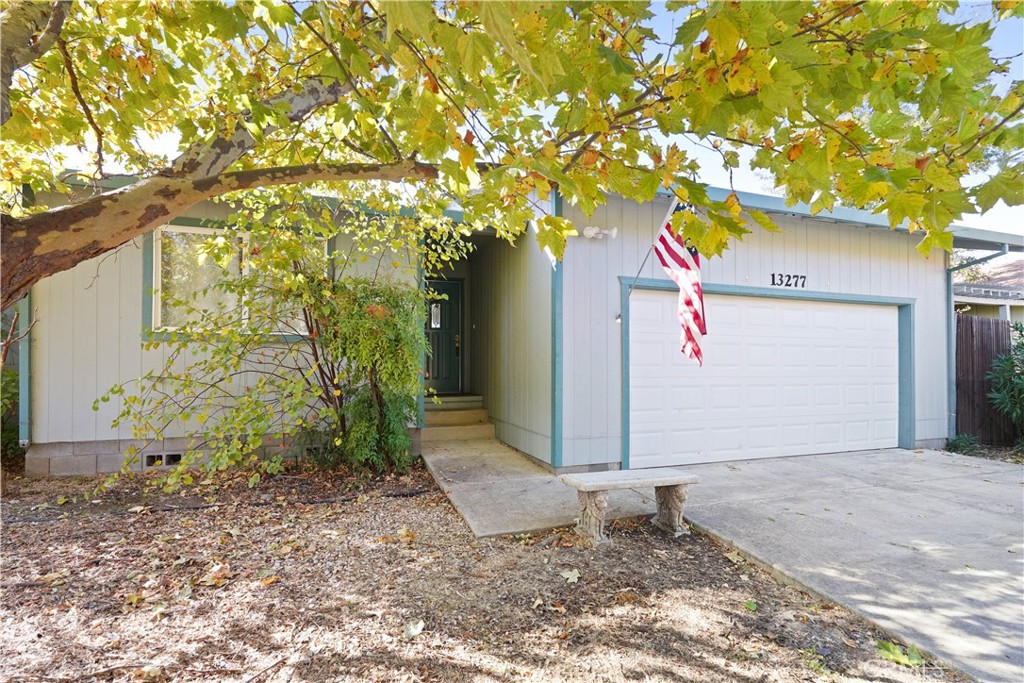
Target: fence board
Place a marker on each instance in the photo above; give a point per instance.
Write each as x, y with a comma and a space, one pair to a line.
978, 342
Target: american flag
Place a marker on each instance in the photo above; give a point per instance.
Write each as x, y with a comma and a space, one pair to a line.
682, 264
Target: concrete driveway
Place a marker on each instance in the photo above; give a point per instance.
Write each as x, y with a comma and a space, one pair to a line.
928, 545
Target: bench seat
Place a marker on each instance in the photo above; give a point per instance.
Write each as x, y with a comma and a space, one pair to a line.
669, 486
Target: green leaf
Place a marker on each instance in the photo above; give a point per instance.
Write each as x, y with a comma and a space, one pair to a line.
414, 16
619, 65
892, 652
552, 232
764, 220
940, 239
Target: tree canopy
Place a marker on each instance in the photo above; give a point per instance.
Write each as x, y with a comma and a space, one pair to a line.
887, 106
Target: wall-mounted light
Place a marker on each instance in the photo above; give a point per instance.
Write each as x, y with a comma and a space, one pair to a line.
593, 232
618, 319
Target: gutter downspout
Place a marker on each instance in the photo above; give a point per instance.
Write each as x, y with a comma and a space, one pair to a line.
951, 333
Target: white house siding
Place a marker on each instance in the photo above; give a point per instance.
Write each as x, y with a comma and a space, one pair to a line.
511, 342
836, 257
88, 336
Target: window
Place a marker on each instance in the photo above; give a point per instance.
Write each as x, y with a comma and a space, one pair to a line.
435, 316
183, 270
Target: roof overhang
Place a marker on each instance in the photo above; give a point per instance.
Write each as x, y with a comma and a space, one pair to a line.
963, 237
979, 239
985, 301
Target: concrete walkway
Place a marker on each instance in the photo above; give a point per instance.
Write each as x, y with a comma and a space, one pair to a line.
927, 545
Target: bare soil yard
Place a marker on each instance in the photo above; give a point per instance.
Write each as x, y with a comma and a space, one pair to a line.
315, 578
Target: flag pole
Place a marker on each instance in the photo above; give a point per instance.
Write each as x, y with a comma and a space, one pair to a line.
668, 217
639, 270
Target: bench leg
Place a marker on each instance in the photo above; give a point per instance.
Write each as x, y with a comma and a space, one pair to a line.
670, 509
592, 508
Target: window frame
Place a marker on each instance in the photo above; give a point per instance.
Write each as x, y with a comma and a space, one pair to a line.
155, 292
152, 328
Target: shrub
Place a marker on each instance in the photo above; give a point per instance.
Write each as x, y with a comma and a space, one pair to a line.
1007, 378
963, 443
11, 451
294, 357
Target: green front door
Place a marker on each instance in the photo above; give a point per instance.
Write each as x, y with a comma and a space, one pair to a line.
444, 334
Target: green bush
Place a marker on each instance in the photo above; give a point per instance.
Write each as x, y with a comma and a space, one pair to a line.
11, 451
1007, 378
8, 393
963, 443
293, 357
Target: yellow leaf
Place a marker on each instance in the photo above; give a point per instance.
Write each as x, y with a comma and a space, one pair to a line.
832, 148
675, 90
877, 190
733, 202
270, 580
549, 150
467, 155
928, 64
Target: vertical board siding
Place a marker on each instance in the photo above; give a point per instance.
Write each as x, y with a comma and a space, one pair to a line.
835, 257
979, 341
88, 337
510, 355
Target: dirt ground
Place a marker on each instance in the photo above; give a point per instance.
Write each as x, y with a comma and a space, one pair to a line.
1010, 454
316, 578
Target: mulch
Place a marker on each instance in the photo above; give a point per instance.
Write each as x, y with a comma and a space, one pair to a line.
319, 577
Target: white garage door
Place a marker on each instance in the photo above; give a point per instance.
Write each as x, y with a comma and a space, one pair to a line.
780, 377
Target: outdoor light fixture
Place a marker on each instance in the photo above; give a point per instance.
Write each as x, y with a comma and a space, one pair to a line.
594, 232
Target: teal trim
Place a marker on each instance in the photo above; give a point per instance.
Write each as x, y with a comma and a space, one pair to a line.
421, 420
557, 393
950, 355
907, 406
187, 222
770, 292
25, 369
907, 426
147, 286
964, 237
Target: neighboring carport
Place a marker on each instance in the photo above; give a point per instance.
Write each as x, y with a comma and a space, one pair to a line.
928, 545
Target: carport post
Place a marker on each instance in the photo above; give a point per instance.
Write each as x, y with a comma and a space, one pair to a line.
951, 333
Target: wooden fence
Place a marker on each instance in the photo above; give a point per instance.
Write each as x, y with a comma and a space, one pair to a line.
978, 342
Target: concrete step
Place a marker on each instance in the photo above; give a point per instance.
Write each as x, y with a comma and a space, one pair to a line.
459, 402
443, 418
457, 433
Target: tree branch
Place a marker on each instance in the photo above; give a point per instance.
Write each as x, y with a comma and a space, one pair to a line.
204, 159
42, 244
62, 46
20, 45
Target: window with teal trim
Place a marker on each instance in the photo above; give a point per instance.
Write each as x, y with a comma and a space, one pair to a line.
187, 263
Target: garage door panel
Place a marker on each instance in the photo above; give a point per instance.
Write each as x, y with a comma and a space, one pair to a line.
781, 377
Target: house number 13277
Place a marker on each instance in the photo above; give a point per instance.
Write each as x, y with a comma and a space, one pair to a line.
788, 280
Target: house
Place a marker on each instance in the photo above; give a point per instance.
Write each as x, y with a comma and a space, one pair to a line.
999, 294
830, 336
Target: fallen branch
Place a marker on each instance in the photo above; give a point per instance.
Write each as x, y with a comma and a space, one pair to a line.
101, 672
261, 673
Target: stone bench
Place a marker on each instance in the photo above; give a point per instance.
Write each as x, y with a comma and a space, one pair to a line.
593, 487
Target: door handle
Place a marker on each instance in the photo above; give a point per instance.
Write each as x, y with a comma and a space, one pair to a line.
458, 344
